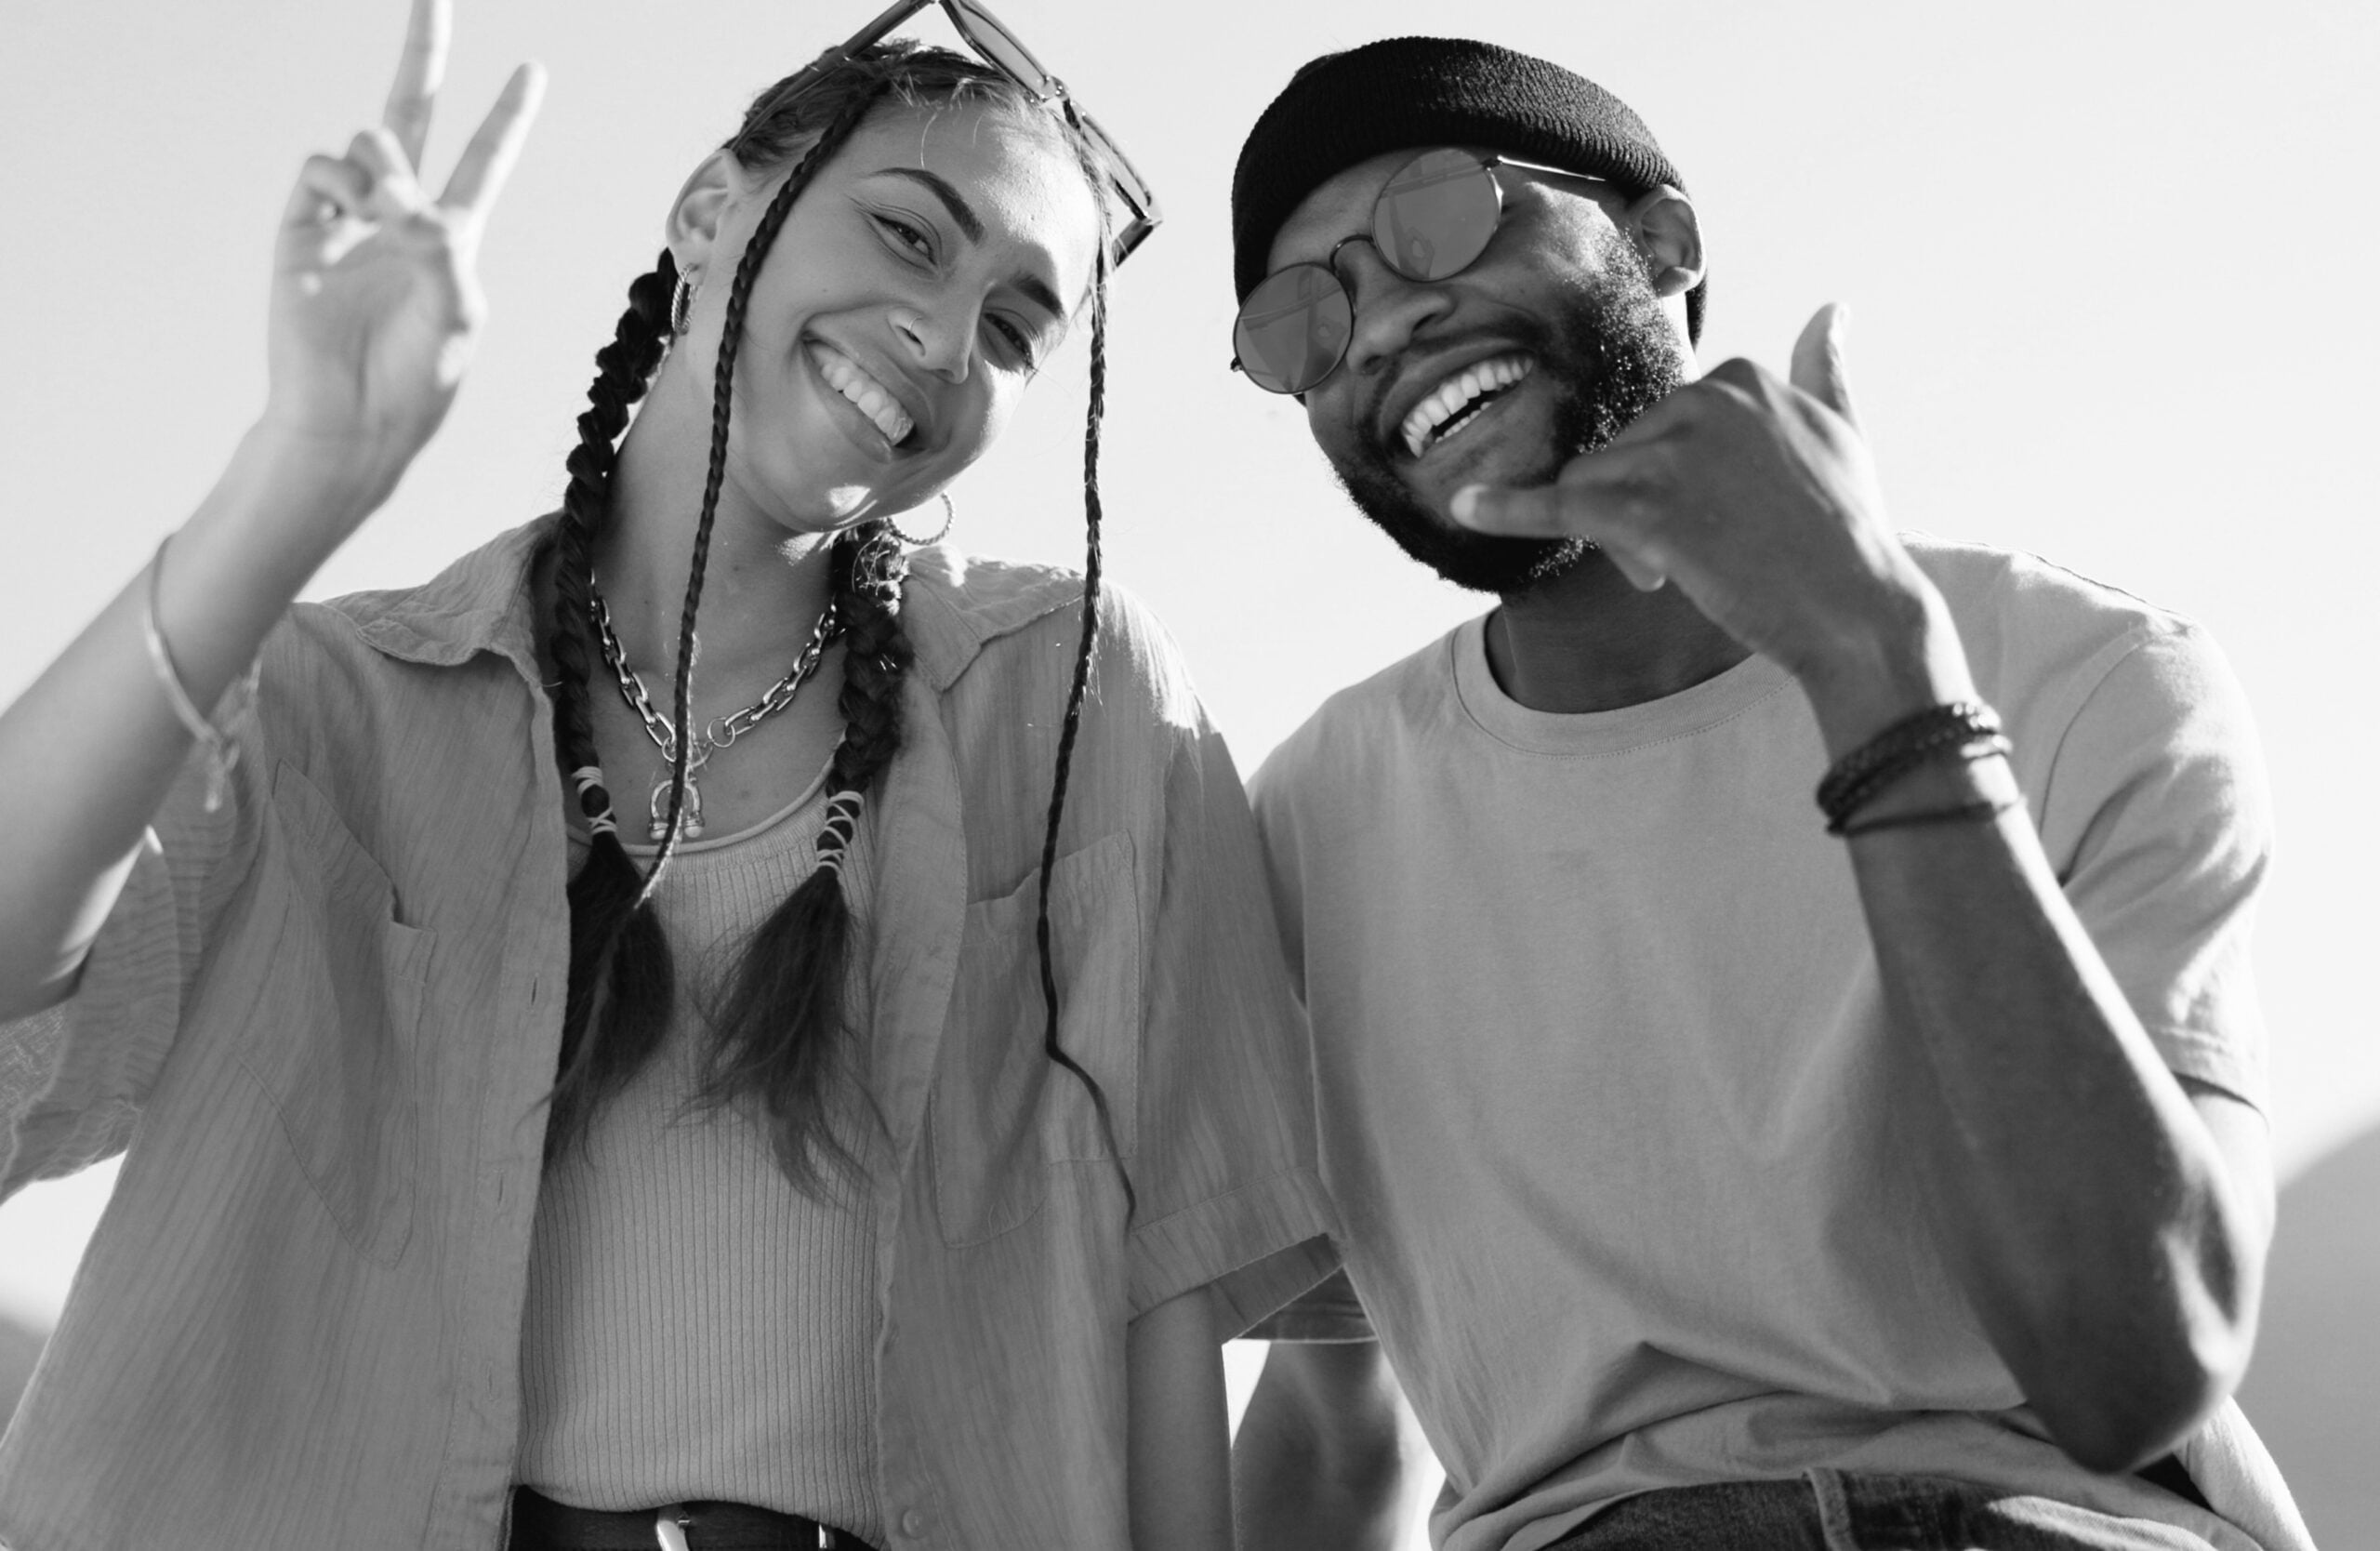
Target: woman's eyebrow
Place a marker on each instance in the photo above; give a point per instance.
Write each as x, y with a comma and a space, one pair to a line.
961, 211
972, 224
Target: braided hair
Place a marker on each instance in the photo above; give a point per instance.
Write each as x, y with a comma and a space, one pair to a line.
778, 1028
616, 941
1093, 413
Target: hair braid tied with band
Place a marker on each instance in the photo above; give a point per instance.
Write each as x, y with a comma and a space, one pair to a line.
791, 975
618, 957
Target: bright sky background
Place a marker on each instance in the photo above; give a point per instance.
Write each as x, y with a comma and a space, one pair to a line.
2110, 265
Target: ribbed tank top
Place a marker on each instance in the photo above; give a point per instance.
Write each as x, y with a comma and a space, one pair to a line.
697, 1327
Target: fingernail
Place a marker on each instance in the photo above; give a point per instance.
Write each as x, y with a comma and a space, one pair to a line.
1466, 501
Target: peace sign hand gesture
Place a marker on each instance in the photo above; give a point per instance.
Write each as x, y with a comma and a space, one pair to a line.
376, 309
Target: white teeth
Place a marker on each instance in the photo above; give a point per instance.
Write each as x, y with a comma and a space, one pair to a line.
844, 376
1450, 397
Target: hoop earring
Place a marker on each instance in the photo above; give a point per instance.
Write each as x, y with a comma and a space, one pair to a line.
681, 301
949, 515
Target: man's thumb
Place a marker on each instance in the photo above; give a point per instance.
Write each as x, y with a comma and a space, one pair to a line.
1817, 359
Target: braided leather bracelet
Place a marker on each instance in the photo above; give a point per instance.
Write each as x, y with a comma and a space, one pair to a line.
1961, 729
1982, 809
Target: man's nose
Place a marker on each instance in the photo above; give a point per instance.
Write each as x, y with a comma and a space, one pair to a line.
1389, 309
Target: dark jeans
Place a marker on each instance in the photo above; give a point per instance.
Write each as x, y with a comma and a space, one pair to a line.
1835, 1510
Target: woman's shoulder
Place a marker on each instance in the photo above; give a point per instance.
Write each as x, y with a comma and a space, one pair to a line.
975, 612
979, 598
361, 671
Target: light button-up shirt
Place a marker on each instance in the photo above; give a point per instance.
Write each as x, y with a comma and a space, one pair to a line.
323, 1020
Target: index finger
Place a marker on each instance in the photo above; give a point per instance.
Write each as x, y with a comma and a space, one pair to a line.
420, 69
1567, 508
487, 161
1581, 502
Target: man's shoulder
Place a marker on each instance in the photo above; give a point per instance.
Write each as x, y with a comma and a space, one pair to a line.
2027, 586
2029, 623
1367, 720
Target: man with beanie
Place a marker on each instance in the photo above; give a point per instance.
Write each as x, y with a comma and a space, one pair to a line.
1720, 1169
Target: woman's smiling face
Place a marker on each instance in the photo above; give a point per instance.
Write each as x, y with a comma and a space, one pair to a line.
920, 280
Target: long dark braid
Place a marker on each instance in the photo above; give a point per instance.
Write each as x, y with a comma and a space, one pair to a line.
722, 400
1072, 725
616, 941
775, 1030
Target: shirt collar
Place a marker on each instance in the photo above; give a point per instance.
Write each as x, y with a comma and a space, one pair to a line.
478, 603
955, 605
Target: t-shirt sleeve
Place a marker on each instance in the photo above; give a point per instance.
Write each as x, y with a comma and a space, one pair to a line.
1268, 795
74, 1077
1327, 1311
1230, 1193
2158, 819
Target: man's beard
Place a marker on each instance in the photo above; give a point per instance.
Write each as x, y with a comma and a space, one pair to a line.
1608, 357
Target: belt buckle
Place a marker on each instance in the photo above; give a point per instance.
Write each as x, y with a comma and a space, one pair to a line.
669, 1527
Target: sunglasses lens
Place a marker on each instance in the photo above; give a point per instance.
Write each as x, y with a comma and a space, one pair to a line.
999, 47
1005, 53
1292, 328
1435, 215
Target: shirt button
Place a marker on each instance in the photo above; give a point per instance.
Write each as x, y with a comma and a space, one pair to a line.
913, 1524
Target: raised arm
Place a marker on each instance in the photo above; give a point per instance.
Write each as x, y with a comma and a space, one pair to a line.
2107, 1222
374, 314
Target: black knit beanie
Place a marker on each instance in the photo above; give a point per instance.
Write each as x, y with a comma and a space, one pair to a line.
1343, 108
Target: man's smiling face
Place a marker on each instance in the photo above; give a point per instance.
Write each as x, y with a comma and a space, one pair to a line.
1543, 348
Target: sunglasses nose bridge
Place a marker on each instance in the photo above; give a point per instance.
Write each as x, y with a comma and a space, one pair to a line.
1330, 260
1363, 282
1392, 307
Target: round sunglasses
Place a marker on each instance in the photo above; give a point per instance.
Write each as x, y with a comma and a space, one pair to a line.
1432, 220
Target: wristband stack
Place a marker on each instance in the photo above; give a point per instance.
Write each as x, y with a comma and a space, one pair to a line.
1962, 730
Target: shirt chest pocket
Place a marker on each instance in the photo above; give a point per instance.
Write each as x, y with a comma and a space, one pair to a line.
1003, 1113
334, 1004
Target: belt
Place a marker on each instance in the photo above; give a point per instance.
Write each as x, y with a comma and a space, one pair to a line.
541, 1524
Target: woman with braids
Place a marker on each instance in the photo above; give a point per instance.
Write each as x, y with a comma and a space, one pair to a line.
707, 1024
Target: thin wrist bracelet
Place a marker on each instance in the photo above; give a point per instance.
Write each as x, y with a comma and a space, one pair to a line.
1960, 729
218, 751
1983, 809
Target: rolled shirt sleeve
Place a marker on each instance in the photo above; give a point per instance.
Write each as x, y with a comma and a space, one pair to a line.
1226, 1111
74, 1077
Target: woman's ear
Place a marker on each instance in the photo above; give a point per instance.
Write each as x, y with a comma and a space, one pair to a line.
702, 206
1665, 228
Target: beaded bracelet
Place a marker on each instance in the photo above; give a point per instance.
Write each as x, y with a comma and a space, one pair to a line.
1960, 729
219, 752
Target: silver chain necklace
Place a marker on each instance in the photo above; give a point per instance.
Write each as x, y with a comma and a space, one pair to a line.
721, 731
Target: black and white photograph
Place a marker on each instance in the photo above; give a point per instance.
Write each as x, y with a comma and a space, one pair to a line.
1024, 773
